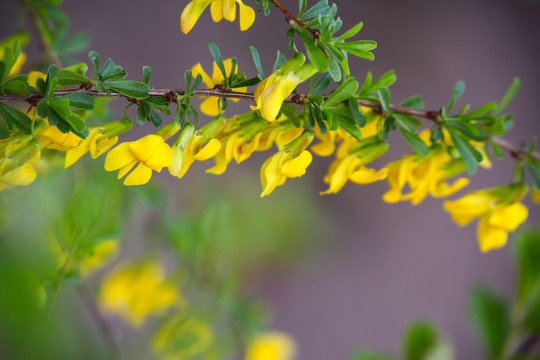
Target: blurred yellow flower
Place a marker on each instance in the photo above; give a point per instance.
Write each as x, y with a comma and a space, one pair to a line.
102, 253
271, 346
498, 212
220, 9
210, 105
137, 291
151, 152
291, 161
17, 155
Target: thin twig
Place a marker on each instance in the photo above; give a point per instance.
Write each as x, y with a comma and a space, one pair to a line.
431, 115
316, 33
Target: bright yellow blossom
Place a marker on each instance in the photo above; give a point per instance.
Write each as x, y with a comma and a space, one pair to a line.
210, 105
52, 138
202, 145
352, 166
220, 9
498, 212
17, 155
270, 94
289, 162
99, 140
271, 346
137, 291
151, 152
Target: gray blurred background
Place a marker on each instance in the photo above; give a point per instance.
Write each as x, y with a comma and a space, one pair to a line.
378, 266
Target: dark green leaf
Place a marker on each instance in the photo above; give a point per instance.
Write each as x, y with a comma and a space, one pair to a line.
142, 111
480, 111
459, 89
147, 74
384, 96
154, 117
68, 78
196, 84
280, 60
510, 93
534, 170
319, 8
80, 101
15, 117
216, 54
436, 134
129, 88
357, 113
112, 72
77, 124
94, 58
321, 84
343, 92
247, 82
414, 140
314, 52
414, 102
257, 61
466, 151
351, 32
16, 85
490, 318
419, 340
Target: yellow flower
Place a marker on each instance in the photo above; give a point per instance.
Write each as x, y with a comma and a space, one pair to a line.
498, 212
102, 253
352, 166
182, 337
289, 162
52, 138
17, 155
202, 145
221, 9
99, 140
271, 346
137, 291
270, 94
210, 105
424, 175
151, 152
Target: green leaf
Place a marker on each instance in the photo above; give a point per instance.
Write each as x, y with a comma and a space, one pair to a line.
526, 254
129, 88
77, 124
321, 84
112, 72
280, 60
196, 84
80, 101
384, 96
473, 115
364, 354
334, 69
216, 54
496, 149
319, 8
142, 112
359, 48
314, 52
466, 151
15, 117
357, 113
147, 74
247, 82
419, 340
154, 117
459, 89
94, 58
351, 32
490, 318
257, 61
414, 102
16, 85
534, 170
414, 140
301, 7
510, 93
68, 78
343, 92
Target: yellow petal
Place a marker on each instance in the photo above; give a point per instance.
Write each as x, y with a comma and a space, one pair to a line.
297, 167
209, 150
34, 75
247, 16
191, 14
508, 218
271, 346
470, 206
99, 147
125, 169
160, 158
23, 175
271, 177
143, 148
198, 70
18, 64
74, 154
490, 237
210, 106
139, 176
217, 10
229, 10
119, 157
337, 175
365, 175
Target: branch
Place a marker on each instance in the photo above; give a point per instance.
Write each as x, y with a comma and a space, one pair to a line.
316, 33
432, 115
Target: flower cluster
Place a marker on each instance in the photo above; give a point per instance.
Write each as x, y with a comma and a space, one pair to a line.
220, 9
